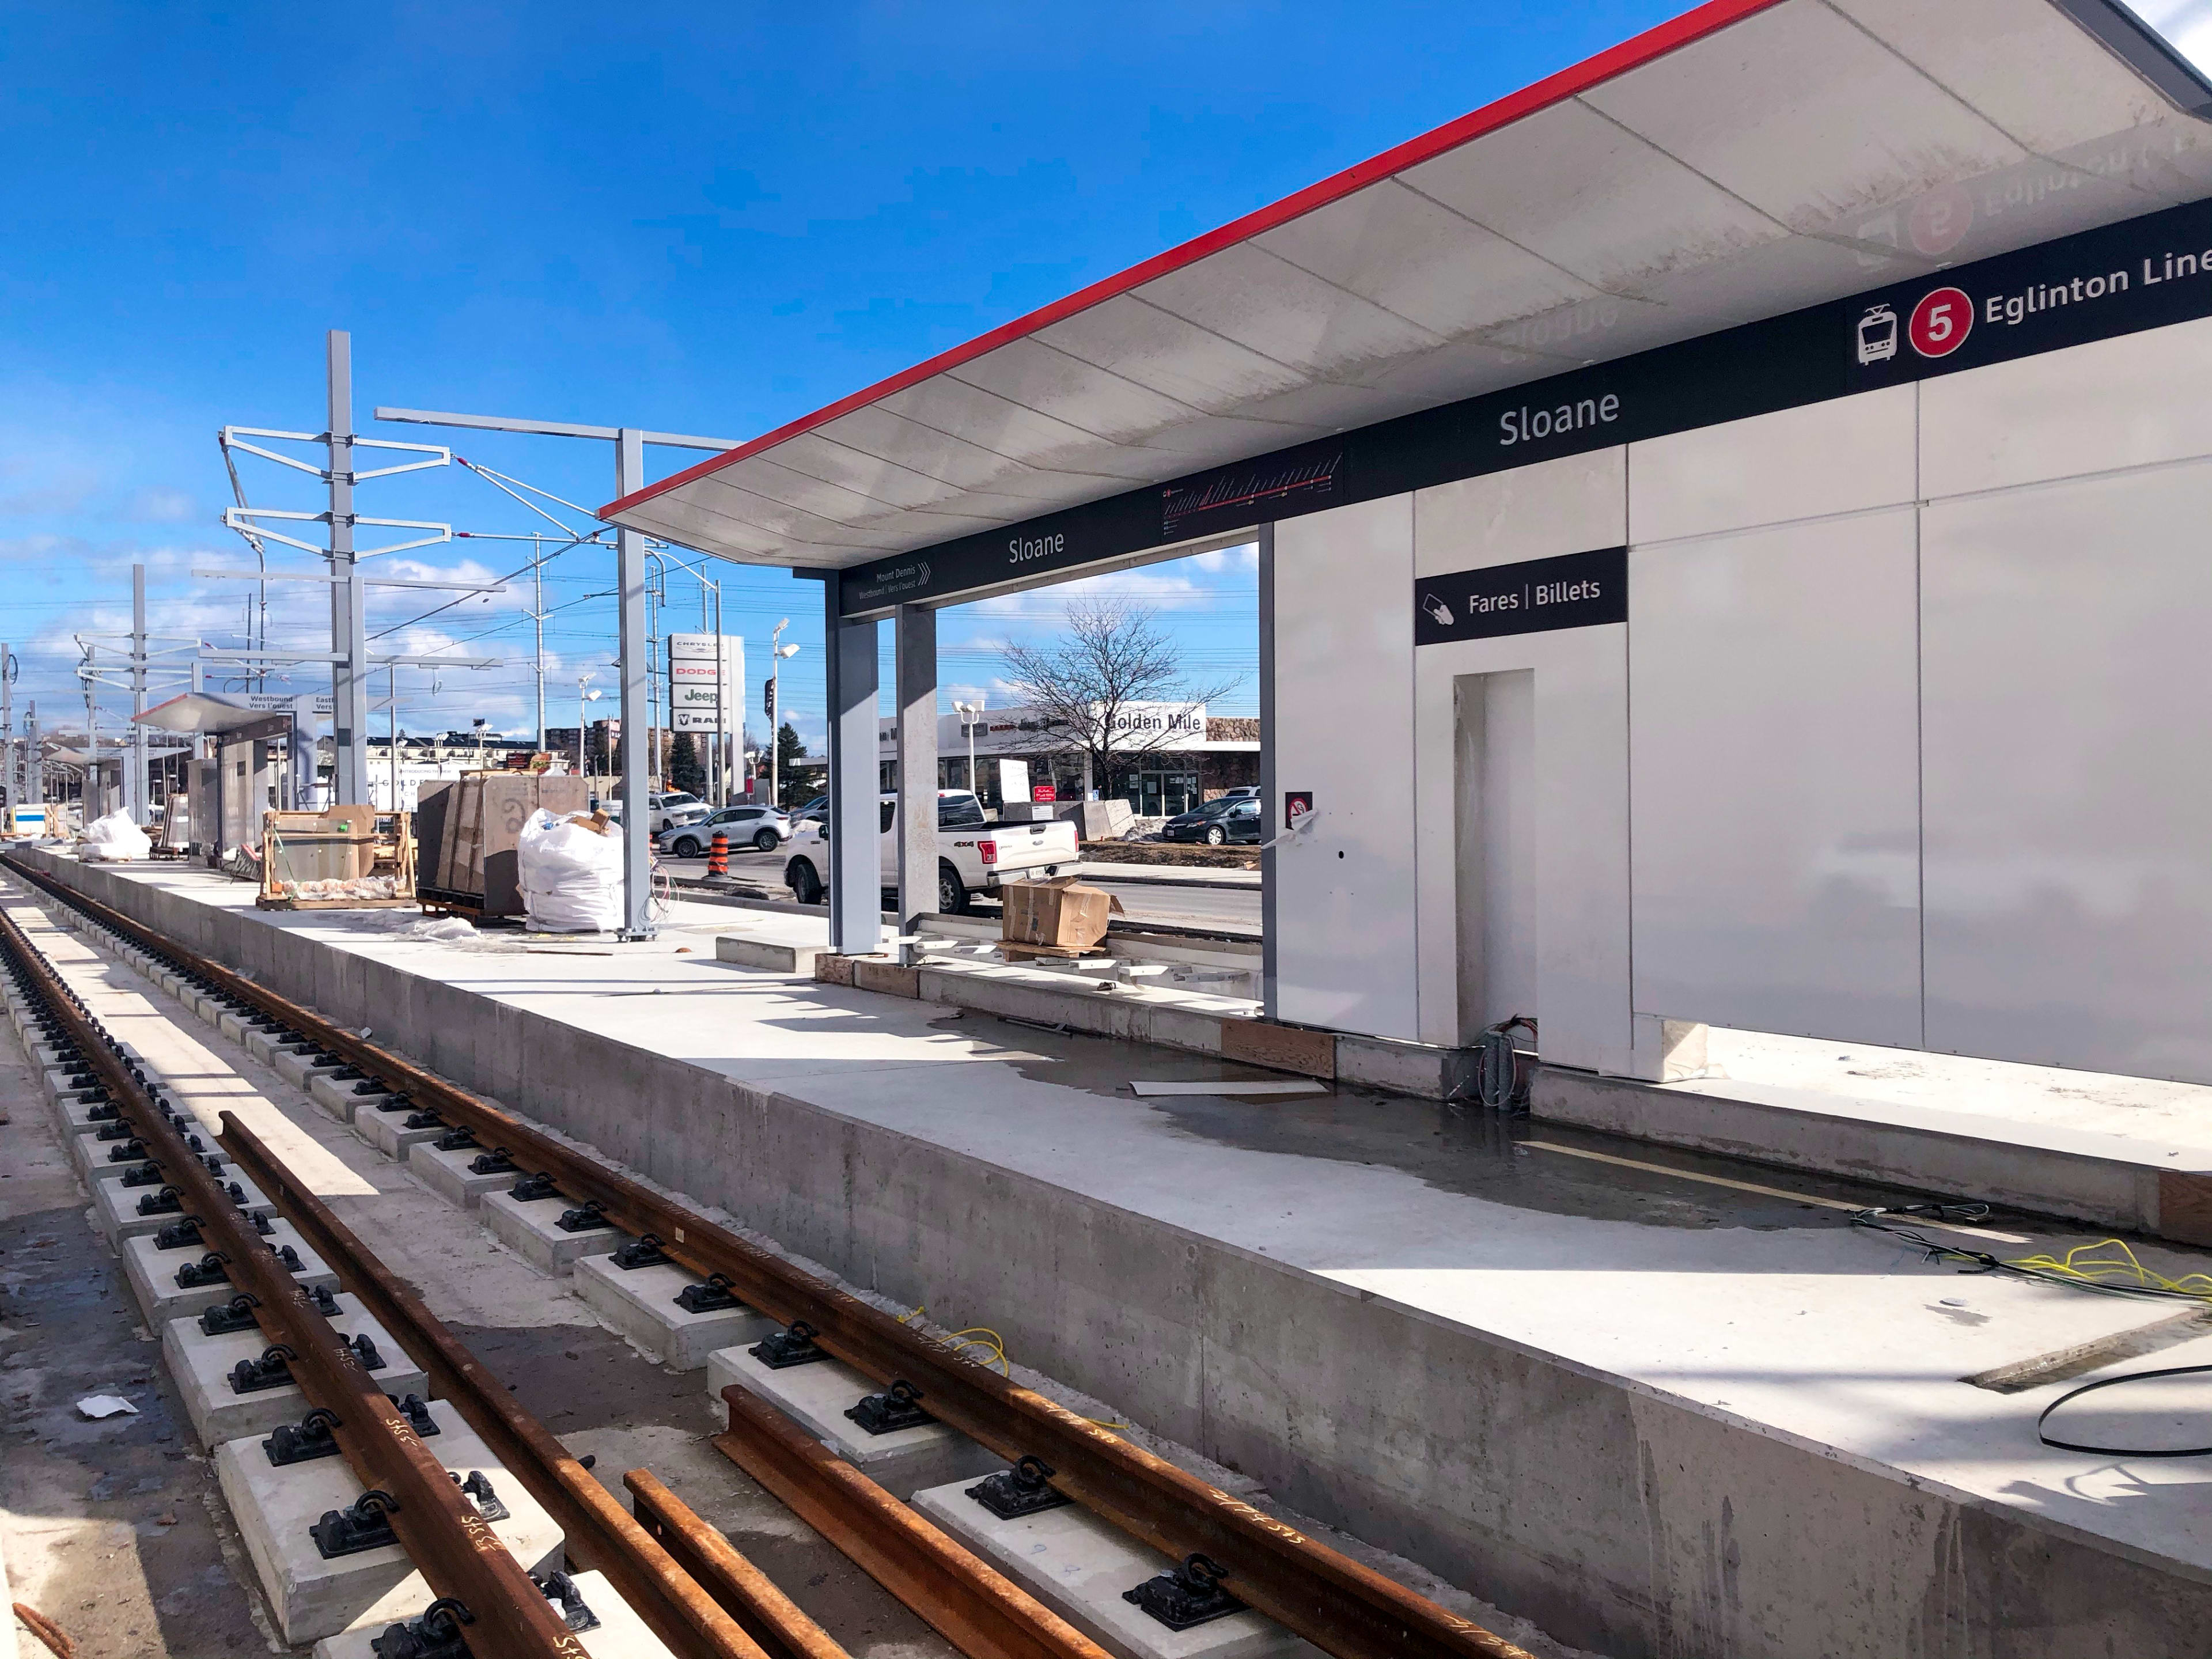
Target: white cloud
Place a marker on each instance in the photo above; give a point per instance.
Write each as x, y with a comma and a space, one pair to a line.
158, 506
1241, 561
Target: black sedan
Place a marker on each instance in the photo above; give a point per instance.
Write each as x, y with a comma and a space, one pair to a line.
1218, 823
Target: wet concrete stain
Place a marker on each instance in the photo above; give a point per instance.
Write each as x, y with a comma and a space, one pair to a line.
1455, 1149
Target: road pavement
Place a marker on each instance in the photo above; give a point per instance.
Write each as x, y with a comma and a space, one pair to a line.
1229, 910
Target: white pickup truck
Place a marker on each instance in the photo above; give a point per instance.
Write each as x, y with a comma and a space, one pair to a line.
973, 855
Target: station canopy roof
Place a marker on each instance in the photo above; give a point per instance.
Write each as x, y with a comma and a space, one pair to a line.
211, 715
1750, 158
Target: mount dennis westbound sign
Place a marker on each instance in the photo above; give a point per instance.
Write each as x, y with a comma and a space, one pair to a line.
2119, 279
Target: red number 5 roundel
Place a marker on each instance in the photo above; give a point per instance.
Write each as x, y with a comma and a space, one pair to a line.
1940, 323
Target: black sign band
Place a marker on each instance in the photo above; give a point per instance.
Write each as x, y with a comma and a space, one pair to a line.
2121, 279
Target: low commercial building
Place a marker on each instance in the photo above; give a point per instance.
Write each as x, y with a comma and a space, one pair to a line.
1171, 756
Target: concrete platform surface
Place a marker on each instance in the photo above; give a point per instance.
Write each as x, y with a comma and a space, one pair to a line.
1652, 1402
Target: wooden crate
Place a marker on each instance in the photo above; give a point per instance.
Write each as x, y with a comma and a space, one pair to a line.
385, 846
470, 827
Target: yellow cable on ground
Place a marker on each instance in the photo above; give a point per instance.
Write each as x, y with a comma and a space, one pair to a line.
2083, 1264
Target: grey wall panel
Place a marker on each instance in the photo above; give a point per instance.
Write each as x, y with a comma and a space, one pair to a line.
1580, 817
1343, 729
1837, 457
1566, 506
1499, 978
2139, 399
1580, 772
2067, 739
1775, 790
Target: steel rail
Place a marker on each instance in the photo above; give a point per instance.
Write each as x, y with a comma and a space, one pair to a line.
453, 1547
747, 1594
979, 1610
1344, 1608
598, 1530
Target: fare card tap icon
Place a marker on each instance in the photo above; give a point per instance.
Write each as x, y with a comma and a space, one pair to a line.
1438, 611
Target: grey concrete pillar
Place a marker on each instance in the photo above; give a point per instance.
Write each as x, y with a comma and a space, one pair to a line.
1270, 801
855, 870
916, 659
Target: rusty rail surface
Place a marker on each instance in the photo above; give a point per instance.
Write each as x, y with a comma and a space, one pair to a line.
747, 1594
974, 1607
1341, 1606
454, 1546
599, 1531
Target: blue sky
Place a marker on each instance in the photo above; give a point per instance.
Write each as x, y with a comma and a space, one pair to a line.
695, 218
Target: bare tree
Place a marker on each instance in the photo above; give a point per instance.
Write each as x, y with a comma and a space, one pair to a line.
1085, 686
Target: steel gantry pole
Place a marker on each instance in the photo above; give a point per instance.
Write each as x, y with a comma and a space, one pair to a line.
348, 608
9, 797
88, 791
538, 621
134, 785
637, 662
633, 654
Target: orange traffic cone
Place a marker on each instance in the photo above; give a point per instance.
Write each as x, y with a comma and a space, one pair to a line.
718, 854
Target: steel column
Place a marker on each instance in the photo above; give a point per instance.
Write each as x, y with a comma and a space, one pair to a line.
855, 871
915, 655
9, 795
134, 782
636, 660
1270, 804
349, 613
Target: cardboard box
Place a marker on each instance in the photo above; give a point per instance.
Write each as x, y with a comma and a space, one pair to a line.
1062, 913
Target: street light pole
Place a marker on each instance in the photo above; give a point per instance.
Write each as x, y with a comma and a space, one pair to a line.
775, 714
776, 654
583, 699
971, 716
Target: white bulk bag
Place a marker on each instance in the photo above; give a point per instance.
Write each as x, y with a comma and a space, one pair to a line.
114, 836
571, 877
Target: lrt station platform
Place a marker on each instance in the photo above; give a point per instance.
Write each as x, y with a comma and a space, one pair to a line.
1654, 1400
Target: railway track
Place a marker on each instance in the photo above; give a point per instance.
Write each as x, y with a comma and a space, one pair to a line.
696, 1593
